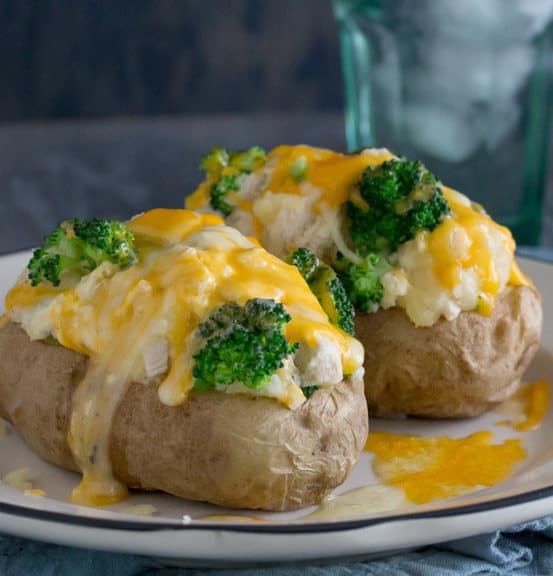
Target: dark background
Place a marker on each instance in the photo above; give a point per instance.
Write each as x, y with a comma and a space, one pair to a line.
107, 106
92, 58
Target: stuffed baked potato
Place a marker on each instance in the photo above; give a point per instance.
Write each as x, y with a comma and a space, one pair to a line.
448, 321
181, 357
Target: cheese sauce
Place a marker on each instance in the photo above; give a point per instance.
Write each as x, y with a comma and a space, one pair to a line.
229, 518
467, 240
428, 469
333, 173
189, 264
297, 198
527, 408
140, 510
373, 499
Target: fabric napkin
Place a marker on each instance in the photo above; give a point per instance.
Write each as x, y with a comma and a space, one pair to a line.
526, 549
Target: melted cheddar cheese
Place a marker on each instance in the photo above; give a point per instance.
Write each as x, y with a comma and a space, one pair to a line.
332, 173
428, 469
139, 325
464, 264
527, 408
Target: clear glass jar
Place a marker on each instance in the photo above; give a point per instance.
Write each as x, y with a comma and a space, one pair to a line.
462, 85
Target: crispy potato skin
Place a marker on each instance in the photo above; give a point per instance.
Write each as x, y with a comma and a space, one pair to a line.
230, 450
451, 369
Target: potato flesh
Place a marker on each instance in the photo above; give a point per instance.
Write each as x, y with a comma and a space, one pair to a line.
454, 368
231, 450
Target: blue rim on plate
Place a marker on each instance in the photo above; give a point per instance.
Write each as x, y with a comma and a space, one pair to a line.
537, 254
291, 528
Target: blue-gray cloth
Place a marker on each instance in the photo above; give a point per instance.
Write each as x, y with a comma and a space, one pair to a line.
526, 549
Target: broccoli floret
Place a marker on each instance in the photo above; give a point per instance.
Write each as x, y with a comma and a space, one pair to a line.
219, 190
305, 261
399, 199
265, 314
327, 288
246, 161
308, 390
299, 169
331, 293
224, 168
221, 319
362, 281
215, 161
76, 247
243, 344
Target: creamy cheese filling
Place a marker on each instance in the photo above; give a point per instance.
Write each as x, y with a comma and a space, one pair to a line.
140, 325
462, 265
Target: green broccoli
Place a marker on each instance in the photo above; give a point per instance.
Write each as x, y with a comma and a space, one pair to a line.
362, 281
219, 191
224, 169
76, 247
242, 344
305, 261
246, 161
399, 199
309, 390
298, 169
327, 288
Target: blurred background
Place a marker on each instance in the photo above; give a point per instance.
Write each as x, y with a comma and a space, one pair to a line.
107, 107
96, 58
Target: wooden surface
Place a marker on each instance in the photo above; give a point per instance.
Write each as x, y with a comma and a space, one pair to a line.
119, 167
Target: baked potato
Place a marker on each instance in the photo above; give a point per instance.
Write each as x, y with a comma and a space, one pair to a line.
184, 358
461, 367
232, 450
448, 321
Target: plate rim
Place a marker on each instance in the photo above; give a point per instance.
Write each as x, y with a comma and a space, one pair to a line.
66, 518
295, 527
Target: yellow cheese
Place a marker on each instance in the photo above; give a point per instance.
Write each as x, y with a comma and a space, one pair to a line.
527, 408
468, 240
189, 264
332, 172
166, 226
428, 469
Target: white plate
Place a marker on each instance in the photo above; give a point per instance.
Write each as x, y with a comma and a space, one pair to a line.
176, 531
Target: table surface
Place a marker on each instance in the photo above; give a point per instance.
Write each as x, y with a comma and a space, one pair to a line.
118, 167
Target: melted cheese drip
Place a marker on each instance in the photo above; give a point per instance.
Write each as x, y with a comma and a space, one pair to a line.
428, 469
35, 492
373, 499
230, 518
464, 241
19, 479
527, 408
189, 265
140, 510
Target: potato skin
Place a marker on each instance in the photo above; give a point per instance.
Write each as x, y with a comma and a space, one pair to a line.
454, 368
235, 451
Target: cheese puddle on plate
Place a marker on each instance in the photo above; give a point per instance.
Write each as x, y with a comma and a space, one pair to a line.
359, 501
428, 469
230, 518
140, 510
